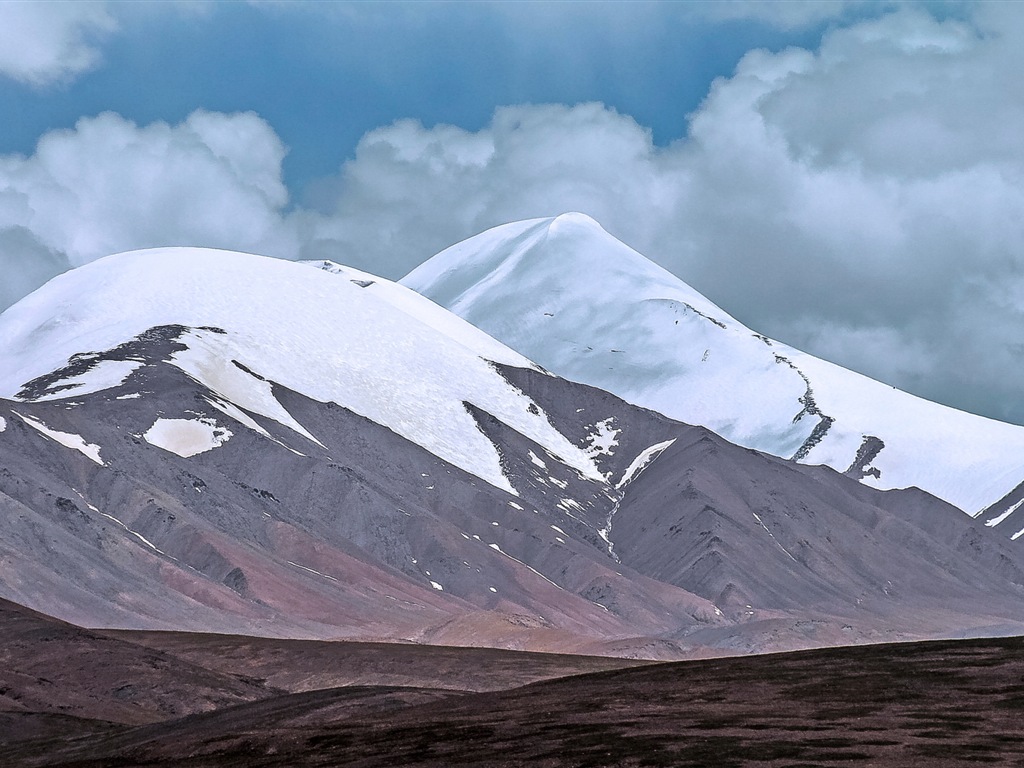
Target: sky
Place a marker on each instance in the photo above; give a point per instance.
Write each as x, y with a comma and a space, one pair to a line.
847, 177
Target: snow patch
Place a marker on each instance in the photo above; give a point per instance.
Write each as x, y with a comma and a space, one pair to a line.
210, 359
511, 503
537, 460
997, 520
67, 439
3, 426
437, 586
310, 570
236, 413
603, 439
187, 437
136, 534
606, 533
772, 536
570, 504
498, 549
639, 464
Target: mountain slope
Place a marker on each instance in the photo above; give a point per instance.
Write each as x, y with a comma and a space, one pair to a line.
56, 679
915, 705
569, 296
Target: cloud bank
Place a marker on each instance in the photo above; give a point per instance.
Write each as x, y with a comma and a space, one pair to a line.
863, 201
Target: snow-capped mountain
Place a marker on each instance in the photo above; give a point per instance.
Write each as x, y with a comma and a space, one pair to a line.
195, 439
571, 297
325, 451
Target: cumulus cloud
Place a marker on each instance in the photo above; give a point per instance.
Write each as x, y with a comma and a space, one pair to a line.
410, 191
48, 42
109, 185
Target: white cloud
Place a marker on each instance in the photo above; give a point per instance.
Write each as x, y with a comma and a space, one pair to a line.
109, 185
891, 163
47, 42
411, 191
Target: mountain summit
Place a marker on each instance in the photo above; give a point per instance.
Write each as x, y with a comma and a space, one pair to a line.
568, 295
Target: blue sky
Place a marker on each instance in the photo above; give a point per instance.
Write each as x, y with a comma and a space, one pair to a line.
325, 77
847, 177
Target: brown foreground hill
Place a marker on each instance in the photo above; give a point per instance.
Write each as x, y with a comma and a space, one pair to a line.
84, 698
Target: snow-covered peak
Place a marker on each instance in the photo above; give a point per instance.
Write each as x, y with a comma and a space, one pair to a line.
568, 295
584, 305
588, 259
335, 335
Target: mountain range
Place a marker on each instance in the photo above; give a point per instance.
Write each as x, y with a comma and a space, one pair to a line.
211, 441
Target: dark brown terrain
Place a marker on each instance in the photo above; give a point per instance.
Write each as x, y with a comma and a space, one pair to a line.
59, 682
307, 665
165, 699
57, 679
